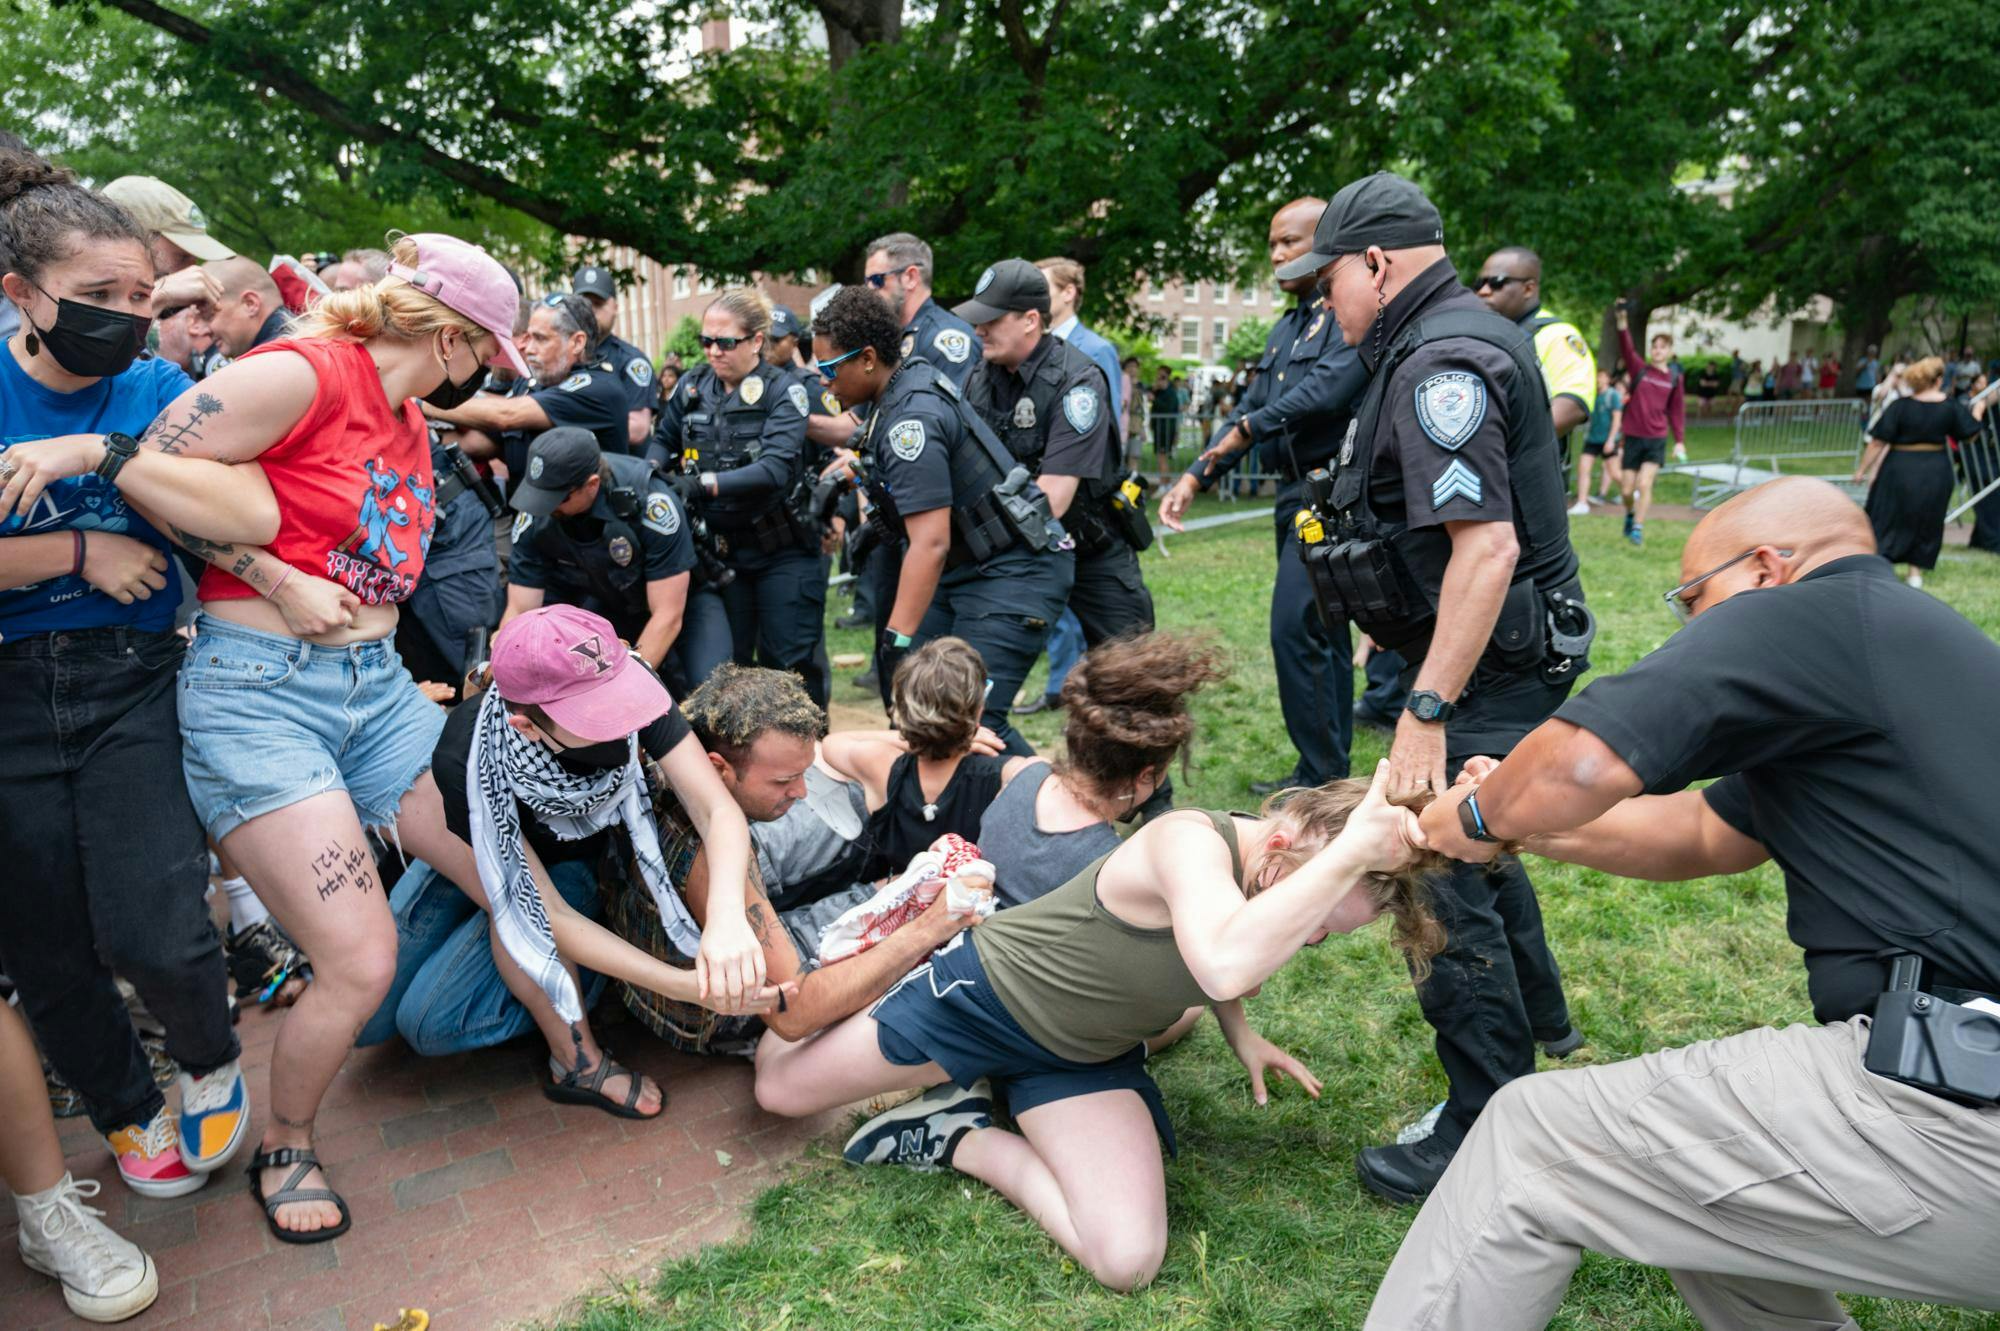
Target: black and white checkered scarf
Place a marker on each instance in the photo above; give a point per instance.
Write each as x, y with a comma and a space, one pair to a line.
505, 767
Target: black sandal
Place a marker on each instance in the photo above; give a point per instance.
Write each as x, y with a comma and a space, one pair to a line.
291, 1193
570, 1089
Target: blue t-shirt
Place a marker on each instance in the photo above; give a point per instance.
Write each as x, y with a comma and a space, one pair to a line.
127, 402
1608, 401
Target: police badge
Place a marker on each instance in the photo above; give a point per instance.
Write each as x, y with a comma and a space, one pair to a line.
1450, 407
621, 551
1024, 414
906, 440
535, 469
985, 281
909, 344
751, 390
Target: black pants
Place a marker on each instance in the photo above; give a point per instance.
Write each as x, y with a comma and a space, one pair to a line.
106, 865
1109, 596
777, 613
1005, 608
1315, 667
704, 641
1495, 989
1386, 694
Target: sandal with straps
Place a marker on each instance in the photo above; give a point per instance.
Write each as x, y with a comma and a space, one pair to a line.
567, 1088
291, 1192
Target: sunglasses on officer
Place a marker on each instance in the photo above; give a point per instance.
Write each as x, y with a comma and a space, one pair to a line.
726, 343
827, 367
1495, 281
1677, 599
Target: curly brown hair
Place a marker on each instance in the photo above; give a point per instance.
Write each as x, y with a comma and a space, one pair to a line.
737, 705
1126, 709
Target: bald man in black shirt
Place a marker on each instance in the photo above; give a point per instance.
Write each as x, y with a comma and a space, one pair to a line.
1848, 720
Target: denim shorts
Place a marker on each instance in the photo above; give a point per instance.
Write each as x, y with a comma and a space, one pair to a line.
268, 721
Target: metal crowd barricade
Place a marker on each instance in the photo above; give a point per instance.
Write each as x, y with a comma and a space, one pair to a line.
1815, 437
1978, 459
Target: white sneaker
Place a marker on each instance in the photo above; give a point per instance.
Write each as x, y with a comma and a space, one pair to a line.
105, 1278
1916, 579
1580, 508
1422, 1128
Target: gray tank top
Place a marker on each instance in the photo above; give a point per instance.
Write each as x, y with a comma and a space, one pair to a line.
1032, 862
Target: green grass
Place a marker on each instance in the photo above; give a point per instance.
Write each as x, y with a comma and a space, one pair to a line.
1269, 1227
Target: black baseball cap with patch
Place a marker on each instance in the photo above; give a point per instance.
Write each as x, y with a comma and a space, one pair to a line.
784, 323
590, 280
1383, 209
559, 460
1011, 284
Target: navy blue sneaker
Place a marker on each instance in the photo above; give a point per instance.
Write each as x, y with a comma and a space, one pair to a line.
1634, 532
922, 1133
1628, 522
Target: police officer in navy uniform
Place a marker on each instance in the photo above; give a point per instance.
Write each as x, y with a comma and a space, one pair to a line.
573, 385
459, 594
1443, 535
603, 531
732, 439
1293, 416
1050, 404
633, 367
983, 557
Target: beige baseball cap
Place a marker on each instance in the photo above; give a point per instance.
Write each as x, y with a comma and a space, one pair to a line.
159, 207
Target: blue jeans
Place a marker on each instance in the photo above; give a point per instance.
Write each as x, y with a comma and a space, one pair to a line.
448, 996
1065, 650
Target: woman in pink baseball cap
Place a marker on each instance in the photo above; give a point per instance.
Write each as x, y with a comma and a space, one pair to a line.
300, 724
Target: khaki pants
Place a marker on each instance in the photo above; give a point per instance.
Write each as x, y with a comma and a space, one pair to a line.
1763, 1171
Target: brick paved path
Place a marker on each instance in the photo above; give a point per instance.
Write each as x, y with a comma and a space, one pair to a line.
473, 1196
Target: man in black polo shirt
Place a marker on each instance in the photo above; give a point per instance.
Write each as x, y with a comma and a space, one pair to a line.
1842, 712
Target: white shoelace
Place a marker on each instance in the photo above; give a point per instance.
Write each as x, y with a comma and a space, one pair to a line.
66, 1215
210, 1091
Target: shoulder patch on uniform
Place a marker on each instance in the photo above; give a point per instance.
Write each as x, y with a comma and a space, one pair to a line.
1450, 407
661, 515
575, 381
797, 394
906, 440
1576, 344
1457, 481
751, 390
1080, 408
639, 370
522, 521
830, 402
955, 345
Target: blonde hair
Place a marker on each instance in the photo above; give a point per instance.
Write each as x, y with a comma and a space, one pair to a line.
1064, 273
1316, 815
749, 307
1923, 376
389, 308
936, 697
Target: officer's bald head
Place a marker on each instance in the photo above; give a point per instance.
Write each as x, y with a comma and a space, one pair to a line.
1810, 518
1291, 236
1510, 281
249, 297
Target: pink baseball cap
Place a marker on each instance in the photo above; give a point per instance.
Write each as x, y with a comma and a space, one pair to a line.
569, 662
471, 281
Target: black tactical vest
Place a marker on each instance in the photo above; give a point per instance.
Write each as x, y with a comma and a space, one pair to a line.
723, 431
1024, 428
613, 566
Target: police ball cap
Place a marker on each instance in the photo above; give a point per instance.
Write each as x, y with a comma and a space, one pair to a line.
559, 460
591, 280
784, 323
1010, 285
1382, 209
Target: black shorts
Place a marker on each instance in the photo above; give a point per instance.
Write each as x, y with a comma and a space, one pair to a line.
945, 1012
1638, 451
1599, 448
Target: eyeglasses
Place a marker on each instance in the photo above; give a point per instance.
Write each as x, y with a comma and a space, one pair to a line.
827, 367
726, 343
1497, 281
1677, 598
1323, 289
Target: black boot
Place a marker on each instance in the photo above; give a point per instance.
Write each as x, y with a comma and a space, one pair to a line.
1404, 1174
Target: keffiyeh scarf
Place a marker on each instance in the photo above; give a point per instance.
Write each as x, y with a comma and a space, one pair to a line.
507, 770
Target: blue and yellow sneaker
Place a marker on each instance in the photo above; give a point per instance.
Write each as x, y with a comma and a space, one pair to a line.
215, 1112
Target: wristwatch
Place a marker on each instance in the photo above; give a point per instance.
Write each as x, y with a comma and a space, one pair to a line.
1471, 821
118, 450
1429, 706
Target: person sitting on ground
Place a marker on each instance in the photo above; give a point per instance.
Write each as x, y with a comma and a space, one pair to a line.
925, 778
1051, 1003
1125, 721
459, 984
759, 728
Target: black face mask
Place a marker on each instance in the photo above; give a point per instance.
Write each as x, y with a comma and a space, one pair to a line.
448, 394
88, 341
590, 759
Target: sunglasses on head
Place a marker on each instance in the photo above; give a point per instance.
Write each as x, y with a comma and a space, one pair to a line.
726, 343
1497, 281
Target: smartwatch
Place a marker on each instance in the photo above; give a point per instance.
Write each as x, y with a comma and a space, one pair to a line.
1429, 706
118, 450
1471, 821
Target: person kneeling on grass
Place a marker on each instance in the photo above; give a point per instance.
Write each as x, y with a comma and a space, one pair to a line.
1052, 1000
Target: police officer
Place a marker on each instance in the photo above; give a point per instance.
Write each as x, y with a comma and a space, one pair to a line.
633, 367
1294, 414
1771, 1167
1446, 539
602, 531
1510, 282
572, 385
1050, 405
459, 594
983, 557
732, 438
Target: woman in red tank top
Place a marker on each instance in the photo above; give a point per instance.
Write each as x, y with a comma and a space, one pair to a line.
300, 724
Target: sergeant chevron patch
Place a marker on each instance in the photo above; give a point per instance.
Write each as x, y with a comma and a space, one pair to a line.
1454, 482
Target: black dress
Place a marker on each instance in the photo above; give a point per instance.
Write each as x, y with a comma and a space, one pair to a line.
1907, 503
907, 823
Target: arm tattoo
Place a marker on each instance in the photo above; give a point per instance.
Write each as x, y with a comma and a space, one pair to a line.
175, 439
240, 561
760, 923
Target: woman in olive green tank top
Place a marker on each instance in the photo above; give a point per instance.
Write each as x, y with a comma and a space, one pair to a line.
1052, 1001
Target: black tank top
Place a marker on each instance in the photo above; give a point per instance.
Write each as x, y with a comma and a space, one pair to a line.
907, 822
